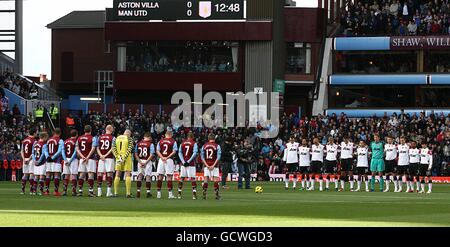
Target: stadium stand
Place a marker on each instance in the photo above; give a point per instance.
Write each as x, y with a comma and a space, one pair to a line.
394, 17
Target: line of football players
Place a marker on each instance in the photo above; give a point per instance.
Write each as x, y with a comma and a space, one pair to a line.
403, 163
87, 157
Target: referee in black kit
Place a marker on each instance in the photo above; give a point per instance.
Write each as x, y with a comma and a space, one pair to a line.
227, 160
245, 159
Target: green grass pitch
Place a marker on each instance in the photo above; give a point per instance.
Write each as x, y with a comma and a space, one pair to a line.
274, 207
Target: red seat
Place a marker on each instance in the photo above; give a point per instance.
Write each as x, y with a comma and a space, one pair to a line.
12, 164
18, 164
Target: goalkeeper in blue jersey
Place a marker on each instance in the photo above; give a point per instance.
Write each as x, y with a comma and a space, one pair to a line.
377, 162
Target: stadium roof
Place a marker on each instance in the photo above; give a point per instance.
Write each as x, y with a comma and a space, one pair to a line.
80, 19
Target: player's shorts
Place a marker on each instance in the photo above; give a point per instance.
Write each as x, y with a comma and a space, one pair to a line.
147, 170
361, 170
165, 169
346, 165
423, 168
71, 169
40, 170
390, 166
414, 169
53, 167
210, 174
89, 166
304, 169
403, 170
106, 165
292, 167
316, 166
28, 168
126, 166
330, 166
377, 165
188, 172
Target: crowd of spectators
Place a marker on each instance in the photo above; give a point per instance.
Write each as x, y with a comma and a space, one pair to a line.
266, 153
180, 64
396, 17
18, 85
181, 56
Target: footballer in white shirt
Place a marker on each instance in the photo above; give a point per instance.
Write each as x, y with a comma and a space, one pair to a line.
426, 163
362, 165
330, 164
290, 157
346, 149
316, 162
414, 160
390, 151
305, 163
403, 163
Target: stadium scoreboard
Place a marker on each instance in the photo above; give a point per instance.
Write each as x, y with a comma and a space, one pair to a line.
173, 10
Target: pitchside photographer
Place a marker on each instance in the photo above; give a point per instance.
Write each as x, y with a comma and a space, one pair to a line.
245, 159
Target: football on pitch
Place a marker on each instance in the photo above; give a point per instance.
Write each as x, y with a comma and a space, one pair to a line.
258, 189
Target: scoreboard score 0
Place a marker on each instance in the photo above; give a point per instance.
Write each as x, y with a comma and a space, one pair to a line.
173, 10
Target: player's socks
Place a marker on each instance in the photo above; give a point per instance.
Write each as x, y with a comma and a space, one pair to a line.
99, 181
303, 183
180, 186
35, 185
359, 185
169, 185
294, 182
41, 185
320, 183
74, 185
205, 186
80, 184
56, 184
308, 182
47, 184
128, 185
430, 185
194, 185
327, 182
148, 186
216, 187
159, 185
352, 183
366, 183
381, 183
342, 184
313, 180
286, 180
422, 186
109, 179
65, 184
116, 185
387, 182
336, 182
216, 190
24, 184
411, 185
91, 185
372, 183
418, 185
138, 186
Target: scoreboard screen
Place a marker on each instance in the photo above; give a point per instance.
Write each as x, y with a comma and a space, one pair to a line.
172, 10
